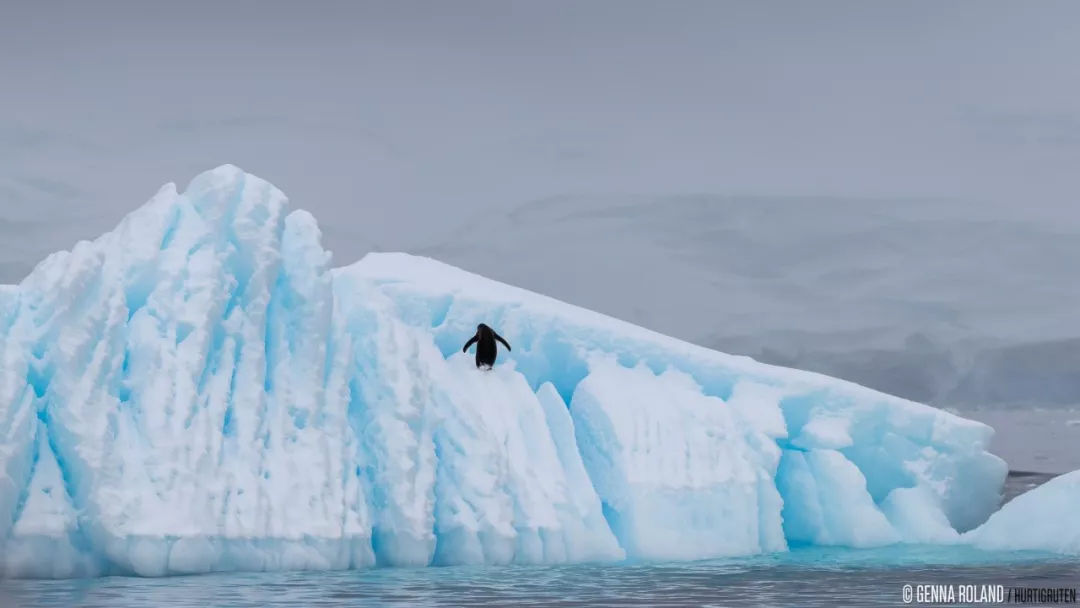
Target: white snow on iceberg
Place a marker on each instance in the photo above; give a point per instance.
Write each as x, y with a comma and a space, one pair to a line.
198, 391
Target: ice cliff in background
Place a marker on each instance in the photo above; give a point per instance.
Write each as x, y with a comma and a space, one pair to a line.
197, 390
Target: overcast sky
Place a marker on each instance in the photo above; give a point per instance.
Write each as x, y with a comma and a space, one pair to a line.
392, 122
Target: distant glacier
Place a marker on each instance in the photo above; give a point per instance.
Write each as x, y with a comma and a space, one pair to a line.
199, 391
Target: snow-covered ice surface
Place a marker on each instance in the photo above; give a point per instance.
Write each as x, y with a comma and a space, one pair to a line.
1043, 519
198, 391
917, 311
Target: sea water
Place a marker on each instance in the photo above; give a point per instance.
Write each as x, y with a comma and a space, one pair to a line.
802, 577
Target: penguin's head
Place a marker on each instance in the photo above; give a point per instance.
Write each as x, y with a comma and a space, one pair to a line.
481, 327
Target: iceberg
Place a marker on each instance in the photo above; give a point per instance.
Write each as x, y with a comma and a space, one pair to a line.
198, 390
1043, 519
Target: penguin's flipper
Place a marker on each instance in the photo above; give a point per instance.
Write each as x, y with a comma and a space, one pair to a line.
505, 343
471, 341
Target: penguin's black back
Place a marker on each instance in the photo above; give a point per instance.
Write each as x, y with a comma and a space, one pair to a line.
486, 350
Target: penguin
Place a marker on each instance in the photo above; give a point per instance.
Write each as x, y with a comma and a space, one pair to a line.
486, 349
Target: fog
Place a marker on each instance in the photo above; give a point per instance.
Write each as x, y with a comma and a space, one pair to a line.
875, 130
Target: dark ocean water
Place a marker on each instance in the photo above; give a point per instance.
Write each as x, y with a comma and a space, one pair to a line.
802, 577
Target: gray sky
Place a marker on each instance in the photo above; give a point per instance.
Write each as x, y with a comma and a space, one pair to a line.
390, 120
397, 123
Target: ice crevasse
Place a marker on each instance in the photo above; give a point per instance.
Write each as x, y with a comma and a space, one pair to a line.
198, 390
